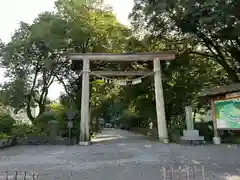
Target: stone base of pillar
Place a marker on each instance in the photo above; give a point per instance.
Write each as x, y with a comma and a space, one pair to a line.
84, 143
149, 133
216, 140
191, 137
164, 140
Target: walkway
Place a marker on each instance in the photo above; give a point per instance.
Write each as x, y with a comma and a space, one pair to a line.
117, 155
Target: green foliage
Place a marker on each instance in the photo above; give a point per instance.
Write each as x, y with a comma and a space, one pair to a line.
60, 111
24, 130
43, 120
33, 58
3, 136
203, 28
175, 128
32, 61
6, 122
206, 130
131, 119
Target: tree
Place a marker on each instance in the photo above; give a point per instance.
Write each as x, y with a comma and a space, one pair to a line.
32, 60
183, 79
91, 28
207, 28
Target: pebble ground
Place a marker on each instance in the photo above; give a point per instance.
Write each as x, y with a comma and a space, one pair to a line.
120, 155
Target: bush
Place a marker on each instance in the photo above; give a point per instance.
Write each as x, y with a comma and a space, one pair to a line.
230, 136
206, 130
24, 130
6, 122
3, 136
176, 125
60, 110
42, 120
131, 119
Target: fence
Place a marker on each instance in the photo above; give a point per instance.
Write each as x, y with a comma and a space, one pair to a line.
193, 172
184, 172
17, 175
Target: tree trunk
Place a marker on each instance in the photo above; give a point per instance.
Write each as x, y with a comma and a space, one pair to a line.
29, 111
41, 109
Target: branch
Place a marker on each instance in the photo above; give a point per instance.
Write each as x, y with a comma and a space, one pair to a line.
64, 85
238, 41
219, 57
45, 88
202, 54
48, 80
45, 96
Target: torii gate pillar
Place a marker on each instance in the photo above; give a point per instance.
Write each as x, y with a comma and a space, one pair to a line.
84, 138
161, 117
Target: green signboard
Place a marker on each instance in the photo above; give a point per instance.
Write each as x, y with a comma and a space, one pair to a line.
227, 113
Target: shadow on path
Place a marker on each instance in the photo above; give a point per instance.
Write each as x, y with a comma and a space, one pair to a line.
113, 136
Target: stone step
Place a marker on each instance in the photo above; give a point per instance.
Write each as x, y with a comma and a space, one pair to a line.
192, 138
192, 142
191, 133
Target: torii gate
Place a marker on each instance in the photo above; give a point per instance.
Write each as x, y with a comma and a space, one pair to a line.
156, 57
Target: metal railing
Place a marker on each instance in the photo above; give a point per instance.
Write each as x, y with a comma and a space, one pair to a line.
193, 172
17, 175
183, 172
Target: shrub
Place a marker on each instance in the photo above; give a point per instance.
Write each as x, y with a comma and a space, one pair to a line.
60, 113
23, 130
6, 122
176, 125
3, 136
42, 120
206, 130
131, 119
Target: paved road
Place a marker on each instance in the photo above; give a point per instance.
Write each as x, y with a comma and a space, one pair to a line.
118, 155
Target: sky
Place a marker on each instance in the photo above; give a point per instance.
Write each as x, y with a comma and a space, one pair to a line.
14, 11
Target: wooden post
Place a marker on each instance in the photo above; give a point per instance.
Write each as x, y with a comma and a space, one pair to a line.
84, 125
161, 117
216, 138
214, 119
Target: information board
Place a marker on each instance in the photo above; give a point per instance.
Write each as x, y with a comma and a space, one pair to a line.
227, 113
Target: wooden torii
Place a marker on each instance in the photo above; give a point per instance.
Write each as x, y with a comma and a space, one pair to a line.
156, 57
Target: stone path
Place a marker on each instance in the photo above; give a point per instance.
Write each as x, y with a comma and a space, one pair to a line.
118, 155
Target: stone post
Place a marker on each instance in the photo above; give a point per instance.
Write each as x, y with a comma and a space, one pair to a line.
53, 129
84, 125
189, 118
190, 135
161, 117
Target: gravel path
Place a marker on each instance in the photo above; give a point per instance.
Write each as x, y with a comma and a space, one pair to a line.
118, 155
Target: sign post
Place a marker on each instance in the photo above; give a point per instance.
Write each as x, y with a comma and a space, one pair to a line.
70, 117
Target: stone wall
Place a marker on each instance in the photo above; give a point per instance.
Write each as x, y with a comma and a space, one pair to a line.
35, 140
45, 140
11, 141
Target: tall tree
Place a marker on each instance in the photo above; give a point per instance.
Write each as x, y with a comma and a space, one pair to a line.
32, 60
91, 28
208, 28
